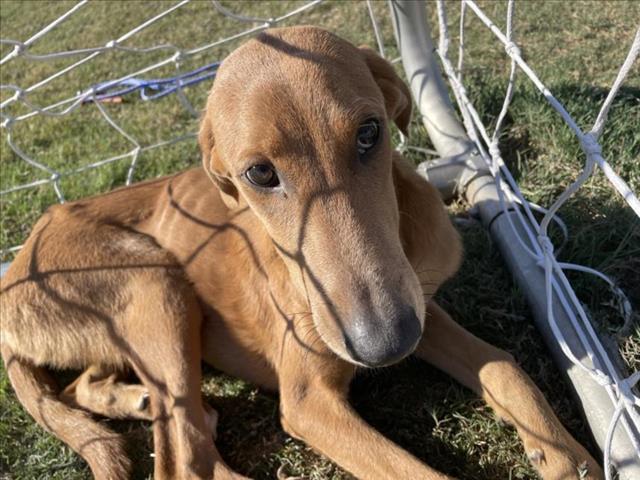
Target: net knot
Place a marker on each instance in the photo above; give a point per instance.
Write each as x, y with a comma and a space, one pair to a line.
89, 92
17, 95
494, 150
512, 49
546, 244
18, 49
602, 378
590, 145
111, 44
8, 121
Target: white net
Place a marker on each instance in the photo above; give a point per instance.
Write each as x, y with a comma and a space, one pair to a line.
25, 103
536, 241
101, 75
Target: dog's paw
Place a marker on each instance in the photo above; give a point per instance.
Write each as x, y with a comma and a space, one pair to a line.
135, 402
564, 462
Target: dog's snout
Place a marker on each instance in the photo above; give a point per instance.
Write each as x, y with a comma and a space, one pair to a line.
376, 342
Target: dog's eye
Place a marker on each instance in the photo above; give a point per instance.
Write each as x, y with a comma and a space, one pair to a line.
368, 134
263, 175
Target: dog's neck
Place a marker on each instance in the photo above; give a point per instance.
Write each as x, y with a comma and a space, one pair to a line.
232, 262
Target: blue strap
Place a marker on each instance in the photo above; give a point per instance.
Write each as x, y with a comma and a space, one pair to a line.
152, 89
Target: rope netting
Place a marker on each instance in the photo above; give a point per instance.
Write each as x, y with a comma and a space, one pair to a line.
535, 240
95, 93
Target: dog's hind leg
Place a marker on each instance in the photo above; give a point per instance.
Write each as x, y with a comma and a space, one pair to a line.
104, 391
101, 390
493, 374
102, 448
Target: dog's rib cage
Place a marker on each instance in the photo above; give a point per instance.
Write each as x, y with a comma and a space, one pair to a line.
535, 240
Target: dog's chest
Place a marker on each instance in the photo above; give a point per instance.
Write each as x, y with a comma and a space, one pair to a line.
235, 352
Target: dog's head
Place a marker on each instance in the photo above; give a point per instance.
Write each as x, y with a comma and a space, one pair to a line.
297, 128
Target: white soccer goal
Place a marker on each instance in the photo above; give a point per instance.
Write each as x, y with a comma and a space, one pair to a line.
470, 163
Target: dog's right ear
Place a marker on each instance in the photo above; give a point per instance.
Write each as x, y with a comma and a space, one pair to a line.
213, 166
397, 96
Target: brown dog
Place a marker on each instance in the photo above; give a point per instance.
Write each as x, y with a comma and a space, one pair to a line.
316, 250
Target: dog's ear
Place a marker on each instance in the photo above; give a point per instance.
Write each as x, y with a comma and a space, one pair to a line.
397, 96
213, 166
427, 235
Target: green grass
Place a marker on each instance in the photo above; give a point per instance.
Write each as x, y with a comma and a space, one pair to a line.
575, 47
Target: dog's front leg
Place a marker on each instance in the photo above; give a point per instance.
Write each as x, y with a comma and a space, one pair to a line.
315, 409
493, 374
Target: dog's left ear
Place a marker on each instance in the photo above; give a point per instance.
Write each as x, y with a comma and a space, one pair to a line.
397, 96
212, 165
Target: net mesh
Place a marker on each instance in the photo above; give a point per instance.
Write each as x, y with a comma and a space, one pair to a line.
536, 241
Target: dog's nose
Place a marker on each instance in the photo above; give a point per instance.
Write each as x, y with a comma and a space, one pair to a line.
376, 342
